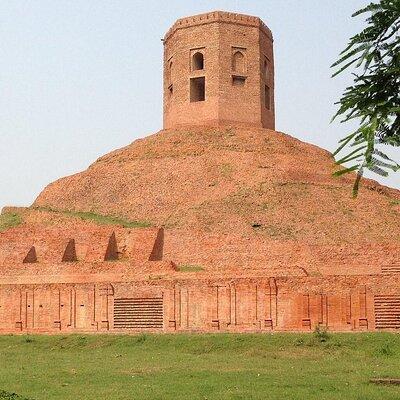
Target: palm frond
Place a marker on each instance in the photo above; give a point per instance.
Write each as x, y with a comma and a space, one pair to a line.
374, 97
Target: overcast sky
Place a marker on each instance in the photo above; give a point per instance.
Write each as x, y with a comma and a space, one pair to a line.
79, 78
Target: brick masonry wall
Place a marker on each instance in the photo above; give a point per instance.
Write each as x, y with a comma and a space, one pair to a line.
236, 305
245, 285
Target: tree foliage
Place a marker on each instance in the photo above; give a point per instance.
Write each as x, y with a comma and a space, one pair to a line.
374, 97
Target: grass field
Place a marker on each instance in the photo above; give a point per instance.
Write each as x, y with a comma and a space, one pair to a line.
225, 366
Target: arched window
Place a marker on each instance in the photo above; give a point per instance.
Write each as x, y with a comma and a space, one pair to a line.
238, 62
197, 61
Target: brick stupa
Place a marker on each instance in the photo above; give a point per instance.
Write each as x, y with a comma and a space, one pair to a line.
216, 223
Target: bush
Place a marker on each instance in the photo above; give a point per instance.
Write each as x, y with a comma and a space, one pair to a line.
385, 350
321, 333
11, 396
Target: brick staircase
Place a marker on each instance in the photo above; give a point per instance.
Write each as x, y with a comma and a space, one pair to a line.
138, 313
391, 269
387, 311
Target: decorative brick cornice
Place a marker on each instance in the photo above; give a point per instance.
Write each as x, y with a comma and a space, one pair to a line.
218, 16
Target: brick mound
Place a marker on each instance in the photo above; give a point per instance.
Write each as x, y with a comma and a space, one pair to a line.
248, 231
248, 182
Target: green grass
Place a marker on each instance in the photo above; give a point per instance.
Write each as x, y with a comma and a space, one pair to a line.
98, 218
225, 366
190, 268
9, 220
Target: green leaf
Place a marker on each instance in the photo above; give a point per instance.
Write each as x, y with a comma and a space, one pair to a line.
383, 164
377, 170
346, 170
348, 156
344, 142
382, 154
350, 54
344, 67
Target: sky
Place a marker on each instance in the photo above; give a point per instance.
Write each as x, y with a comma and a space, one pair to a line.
79, 78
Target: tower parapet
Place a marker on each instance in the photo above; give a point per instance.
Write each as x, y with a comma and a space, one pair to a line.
219, 69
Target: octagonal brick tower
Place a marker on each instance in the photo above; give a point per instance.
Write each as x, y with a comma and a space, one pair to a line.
219, 70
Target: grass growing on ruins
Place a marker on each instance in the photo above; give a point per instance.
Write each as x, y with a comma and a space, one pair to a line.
9, 220
190, 268
99, 218
107, 219
224, 366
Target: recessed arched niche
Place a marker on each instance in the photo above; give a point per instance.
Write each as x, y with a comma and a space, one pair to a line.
197, 61
238, 62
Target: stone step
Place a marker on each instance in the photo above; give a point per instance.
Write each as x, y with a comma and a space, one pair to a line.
391, 326
139, 321
138, 313
387, 311
139, 308
155, 306
138, 305
387, 307
121, 323
125, 307
125, 303
382, 321
387, 321
391, 271
138, 299
388, 325
387, 299
139, 327
136, 316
